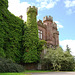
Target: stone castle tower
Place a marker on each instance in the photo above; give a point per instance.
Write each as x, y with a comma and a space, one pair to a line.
47, 30
31, 15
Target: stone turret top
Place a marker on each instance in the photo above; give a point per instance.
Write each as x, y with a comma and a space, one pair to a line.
54, 25
46, 18
32, 9
41, 24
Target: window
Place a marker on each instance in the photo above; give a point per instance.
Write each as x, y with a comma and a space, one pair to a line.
40, 34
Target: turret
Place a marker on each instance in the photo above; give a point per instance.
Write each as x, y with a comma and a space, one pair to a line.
32, 38
46, 18
31, 9
54, 25
41, 24
31, 15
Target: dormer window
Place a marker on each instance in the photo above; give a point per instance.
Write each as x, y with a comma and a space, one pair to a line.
40, 34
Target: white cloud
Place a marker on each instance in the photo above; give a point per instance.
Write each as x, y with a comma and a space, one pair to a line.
47, 3
69, 3
58, 24
70, 43
18, 8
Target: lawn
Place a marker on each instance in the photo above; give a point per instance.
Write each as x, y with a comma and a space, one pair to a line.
35, 71
13, 74
24, 73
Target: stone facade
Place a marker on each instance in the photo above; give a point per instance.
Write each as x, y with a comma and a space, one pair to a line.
48, 31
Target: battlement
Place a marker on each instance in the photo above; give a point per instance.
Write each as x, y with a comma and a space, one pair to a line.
40, 21
54, 25
46, 18
32, 9
41, 24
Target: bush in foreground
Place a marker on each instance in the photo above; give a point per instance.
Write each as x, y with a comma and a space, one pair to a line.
6, 65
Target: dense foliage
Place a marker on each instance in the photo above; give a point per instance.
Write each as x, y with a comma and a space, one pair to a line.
31, 37
58, 60
18, 40
3, 4
7, 65
10, 33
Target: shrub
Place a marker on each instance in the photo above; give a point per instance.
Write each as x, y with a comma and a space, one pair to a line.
7, 65
58, 60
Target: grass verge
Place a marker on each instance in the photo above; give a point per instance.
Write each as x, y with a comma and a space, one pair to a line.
13, 74
35, 71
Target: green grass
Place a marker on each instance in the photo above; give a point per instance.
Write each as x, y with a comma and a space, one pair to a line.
27, 72
33, 71
24, 73
13, 74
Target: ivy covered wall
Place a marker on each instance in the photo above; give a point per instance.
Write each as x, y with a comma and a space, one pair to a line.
18, 40
31, 36
10, 33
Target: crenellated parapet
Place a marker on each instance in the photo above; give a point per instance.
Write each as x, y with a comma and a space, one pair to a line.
54, 25
46, 18
41, 24
32, 9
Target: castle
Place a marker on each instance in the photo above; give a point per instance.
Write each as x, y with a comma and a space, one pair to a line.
47, 30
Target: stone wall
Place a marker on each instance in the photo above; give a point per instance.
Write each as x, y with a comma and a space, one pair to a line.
49, 29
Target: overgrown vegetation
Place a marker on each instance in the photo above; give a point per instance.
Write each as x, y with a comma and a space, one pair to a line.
18, 40
7, 65
58, 60
31, 37
10, 34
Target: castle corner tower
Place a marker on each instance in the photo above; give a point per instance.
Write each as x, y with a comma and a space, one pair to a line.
31, 40
31, 15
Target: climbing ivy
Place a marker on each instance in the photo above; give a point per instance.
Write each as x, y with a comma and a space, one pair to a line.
3, 4
18, 40
10, 33
31, 37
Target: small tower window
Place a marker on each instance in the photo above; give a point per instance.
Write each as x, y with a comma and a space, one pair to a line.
40, 34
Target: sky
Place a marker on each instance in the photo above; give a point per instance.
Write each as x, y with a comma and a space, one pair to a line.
62, 11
